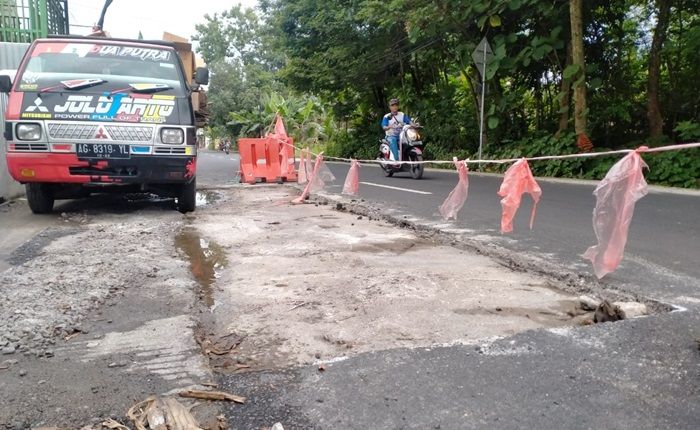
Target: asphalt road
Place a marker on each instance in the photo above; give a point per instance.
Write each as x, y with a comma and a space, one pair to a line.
216, 168
635, 374
662, 248
641, 374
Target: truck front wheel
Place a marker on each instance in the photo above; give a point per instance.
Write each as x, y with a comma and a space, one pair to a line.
40, 197
187, 199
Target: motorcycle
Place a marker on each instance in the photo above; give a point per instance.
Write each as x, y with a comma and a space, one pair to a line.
410, 149
225, 146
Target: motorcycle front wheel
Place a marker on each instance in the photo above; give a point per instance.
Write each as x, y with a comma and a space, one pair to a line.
417, 169
388, 172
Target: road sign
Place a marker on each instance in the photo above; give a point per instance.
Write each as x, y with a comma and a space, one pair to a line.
482, 56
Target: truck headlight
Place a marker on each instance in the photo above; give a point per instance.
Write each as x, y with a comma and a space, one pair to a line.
28, 131
172, 136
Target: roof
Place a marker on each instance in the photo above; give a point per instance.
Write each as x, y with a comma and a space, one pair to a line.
157, 43
11, 54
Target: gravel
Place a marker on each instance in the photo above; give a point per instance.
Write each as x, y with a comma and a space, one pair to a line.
41, 300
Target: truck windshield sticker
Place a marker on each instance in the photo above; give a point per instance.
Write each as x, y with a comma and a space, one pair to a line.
144, 54
89, 49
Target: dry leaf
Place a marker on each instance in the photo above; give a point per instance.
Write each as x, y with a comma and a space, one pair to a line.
212, 395
115, 425
162, 414
71, 336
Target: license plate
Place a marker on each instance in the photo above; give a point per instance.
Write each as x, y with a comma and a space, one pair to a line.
102, 150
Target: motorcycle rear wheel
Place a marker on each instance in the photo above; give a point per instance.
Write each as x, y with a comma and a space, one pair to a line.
417, 169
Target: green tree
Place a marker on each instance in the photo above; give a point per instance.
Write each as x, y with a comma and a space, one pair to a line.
597, 64
653, 110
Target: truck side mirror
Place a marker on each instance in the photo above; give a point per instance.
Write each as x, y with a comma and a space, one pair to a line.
201, 76
5, 84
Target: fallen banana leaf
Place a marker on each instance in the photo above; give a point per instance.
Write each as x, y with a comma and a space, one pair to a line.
137, 413
162, 414
212, 395
114, 425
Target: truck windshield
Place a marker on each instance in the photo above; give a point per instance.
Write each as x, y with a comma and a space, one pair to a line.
119, 67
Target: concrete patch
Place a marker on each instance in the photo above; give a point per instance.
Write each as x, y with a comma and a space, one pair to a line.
164, 347
305, 285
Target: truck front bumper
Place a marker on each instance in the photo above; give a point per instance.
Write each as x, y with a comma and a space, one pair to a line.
67, 168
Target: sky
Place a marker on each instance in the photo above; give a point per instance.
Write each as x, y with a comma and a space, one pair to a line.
125, 18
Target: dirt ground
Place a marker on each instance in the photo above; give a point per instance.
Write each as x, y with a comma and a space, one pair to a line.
114, 301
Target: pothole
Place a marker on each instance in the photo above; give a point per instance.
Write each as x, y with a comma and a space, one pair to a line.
207, 260
204, 198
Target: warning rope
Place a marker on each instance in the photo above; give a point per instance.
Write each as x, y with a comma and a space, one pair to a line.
611, 216
642, 149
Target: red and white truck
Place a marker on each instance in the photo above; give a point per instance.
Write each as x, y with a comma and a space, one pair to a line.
88, 115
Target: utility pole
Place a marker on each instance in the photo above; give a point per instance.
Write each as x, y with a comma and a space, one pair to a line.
482, 56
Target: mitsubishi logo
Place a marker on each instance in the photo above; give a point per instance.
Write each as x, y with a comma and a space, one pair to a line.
37, 105
101, 134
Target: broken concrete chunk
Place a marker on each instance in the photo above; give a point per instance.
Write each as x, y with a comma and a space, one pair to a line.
588, 303
629, 310
606, 312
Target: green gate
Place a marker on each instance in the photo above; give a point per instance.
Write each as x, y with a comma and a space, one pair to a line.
25, 20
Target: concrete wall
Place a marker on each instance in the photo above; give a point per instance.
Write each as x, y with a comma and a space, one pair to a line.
10, 57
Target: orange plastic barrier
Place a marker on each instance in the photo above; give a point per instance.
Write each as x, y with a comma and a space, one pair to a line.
267, 159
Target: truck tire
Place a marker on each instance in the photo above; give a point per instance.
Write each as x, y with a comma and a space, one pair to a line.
187, 200
40, 197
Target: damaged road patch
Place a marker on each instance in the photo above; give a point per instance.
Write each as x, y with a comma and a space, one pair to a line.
34, 247
96, 319
305, 285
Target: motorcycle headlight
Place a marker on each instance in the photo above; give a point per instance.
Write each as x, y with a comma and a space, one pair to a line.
28, 131
172, 136
412, 134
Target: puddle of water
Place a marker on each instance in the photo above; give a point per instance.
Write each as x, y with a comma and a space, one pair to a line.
145, 198
204, 198
207, 260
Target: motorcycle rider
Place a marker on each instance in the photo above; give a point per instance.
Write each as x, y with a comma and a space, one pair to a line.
392, 123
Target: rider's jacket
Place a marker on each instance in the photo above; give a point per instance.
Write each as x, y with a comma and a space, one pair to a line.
397, 121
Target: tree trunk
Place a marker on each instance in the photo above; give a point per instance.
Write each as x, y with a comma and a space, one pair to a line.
379, 100
565, 96
476, 96
653, 111
538, 104
578, 59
